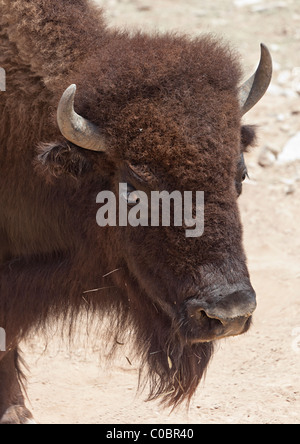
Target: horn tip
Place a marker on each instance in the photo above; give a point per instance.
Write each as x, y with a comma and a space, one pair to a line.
72, 87
69, 93
264, 50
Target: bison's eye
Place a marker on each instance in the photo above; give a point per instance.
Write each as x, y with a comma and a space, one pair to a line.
242, 171
241, 174
244, 175
130, 194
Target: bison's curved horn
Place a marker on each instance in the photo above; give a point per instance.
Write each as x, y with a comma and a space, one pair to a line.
75, 128
254, 88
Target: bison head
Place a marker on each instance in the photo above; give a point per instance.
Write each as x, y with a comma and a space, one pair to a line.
166, 116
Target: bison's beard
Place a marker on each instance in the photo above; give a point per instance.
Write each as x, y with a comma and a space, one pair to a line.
171, 367
175, 379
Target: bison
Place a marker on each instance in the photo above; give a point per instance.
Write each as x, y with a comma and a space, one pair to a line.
85, 109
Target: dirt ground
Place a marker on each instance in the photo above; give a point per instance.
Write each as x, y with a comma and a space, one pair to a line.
253, 378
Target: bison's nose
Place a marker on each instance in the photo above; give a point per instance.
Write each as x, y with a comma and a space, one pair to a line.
221, 316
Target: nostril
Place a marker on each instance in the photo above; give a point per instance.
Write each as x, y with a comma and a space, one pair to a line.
220, 316
239, 304
234, 308
195, 310
221, 320
215, 327
200, 316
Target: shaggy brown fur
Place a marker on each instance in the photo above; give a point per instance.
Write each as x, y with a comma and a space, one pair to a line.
168, 108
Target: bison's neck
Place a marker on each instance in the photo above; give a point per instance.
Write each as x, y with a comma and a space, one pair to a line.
53, 37
42, 43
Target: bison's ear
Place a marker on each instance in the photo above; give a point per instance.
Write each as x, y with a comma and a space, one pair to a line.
248, 137
61, 160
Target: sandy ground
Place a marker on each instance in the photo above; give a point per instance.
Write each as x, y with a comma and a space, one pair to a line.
253, 378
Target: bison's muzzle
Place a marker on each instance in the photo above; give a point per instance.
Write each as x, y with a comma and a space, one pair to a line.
228, 315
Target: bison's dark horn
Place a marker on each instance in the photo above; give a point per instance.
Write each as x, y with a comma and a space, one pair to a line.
75, 128
254, 88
